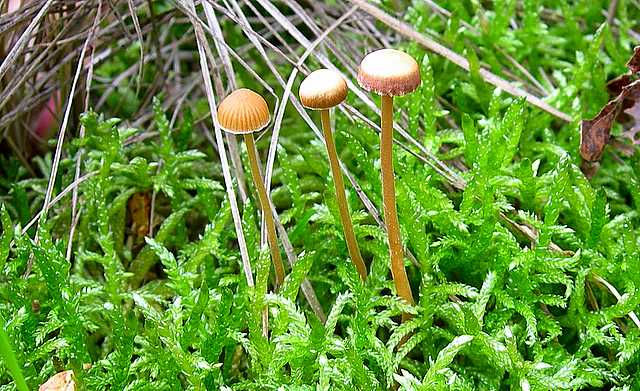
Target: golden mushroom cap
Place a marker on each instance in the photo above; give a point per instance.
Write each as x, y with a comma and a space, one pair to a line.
243, 111
389, 72
323, 89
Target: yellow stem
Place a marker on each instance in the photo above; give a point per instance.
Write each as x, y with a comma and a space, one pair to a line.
347, 225
265, 206
389, 200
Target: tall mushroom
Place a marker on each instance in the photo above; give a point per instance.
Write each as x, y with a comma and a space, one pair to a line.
389, 73
322, 90
245, 112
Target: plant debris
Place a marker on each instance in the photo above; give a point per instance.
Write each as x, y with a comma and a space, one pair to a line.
62, 381
596, 132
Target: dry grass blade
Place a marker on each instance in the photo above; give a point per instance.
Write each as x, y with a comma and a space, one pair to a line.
232, 142
432, 161
289, 86
447, 14
60, 142
57, 198
306, 286
74, 196
136, 25
250, 33
457, 59
616, 294
17, 49
204, 66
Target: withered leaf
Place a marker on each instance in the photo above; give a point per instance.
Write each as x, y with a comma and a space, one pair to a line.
615, 86
596, 132
634, 63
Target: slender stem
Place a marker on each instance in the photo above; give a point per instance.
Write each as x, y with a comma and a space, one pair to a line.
347, 225
266, 209
389, 200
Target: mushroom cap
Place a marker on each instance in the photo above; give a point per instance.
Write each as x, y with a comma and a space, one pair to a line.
243, 111
389, 72
323, 89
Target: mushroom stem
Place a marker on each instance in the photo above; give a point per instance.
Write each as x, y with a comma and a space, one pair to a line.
265, 205
347, 225
389, 200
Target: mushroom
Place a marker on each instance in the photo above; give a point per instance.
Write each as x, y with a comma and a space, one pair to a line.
245, 112
389, 73
322, 90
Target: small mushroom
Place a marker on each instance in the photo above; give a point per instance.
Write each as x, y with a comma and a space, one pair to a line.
322, 90
389, 73
245, 112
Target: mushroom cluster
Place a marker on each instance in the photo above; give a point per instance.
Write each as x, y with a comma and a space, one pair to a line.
386, 72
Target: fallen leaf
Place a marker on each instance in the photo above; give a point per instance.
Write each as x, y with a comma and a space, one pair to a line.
62, 381
634, 63
595, 133
615, 86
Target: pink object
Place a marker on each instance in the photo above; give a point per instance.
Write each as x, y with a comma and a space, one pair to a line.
43, 124
14, 5
45, 119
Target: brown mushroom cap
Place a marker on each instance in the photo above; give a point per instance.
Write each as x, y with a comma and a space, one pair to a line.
323, 89
243, 111
389, 72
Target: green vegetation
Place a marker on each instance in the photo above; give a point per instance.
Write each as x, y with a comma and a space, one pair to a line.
514, 256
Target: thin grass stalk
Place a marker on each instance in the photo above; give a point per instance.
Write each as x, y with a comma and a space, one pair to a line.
204, 67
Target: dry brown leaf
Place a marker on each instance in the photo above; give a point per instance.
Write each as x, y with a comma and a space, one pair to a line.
62, 381
595, 133
634, 63
616, 85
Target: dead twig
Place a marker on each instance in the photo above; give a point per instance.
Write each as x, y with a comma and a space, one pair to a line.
428, 43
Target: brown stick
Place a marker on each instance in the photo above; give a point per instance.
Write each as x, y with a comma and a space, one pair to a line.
266, 209
347, 225
389, 200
